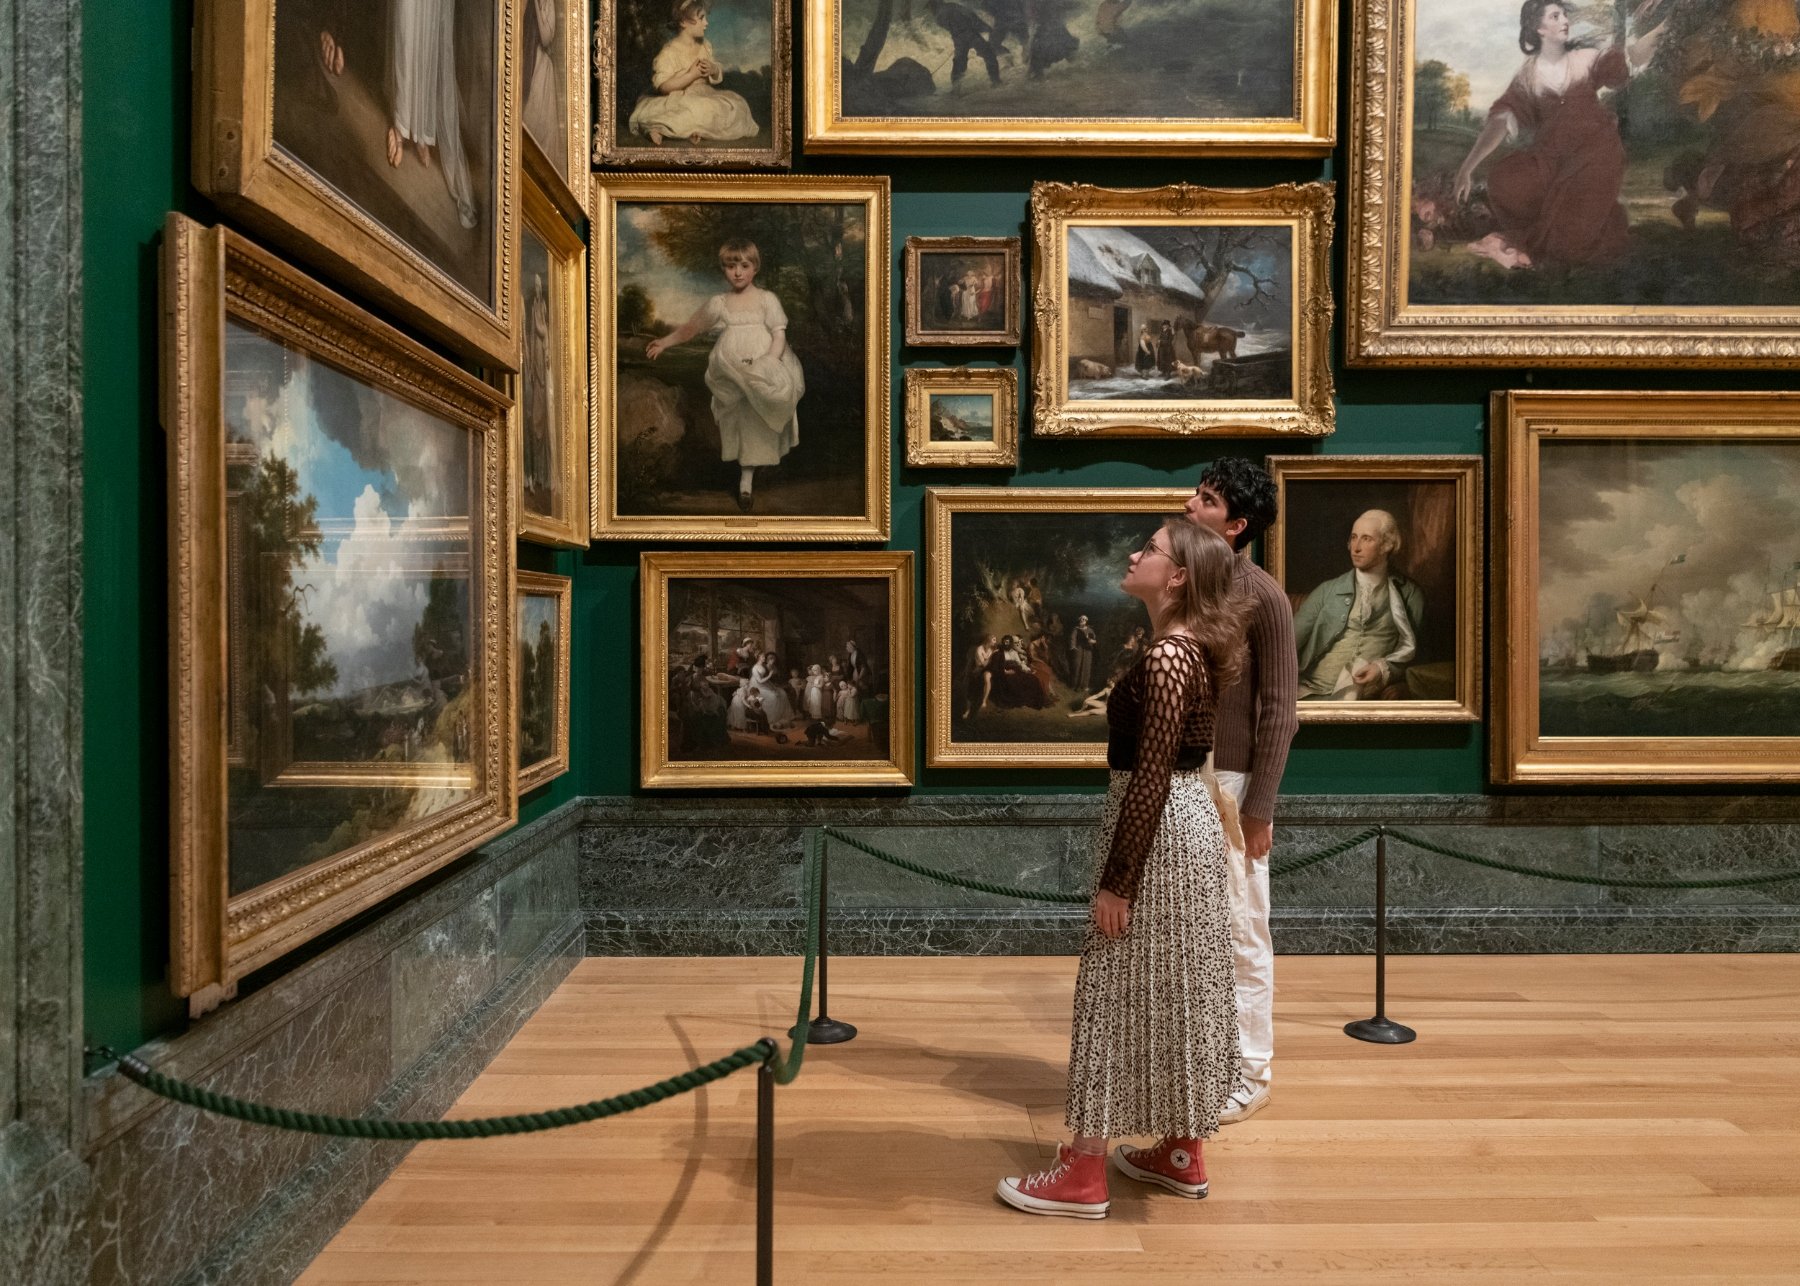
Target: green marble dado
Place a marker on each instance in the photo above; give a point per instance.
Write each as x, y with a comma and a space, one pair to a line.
722, 877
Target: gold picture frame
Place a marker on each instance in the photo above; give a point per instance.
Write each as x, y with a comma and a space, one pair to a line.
553, 347
1683, 507
322, 401
1437, 531
929, 325
1294, 118
560, 165
637, 493
768, 599
773, 152
529, 664
266, 91
1397, 218
1046, 532
1116, 249
999, 385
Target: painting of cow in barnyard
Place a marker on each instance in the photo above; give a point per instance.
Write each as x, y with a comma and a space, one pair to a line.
1179, 312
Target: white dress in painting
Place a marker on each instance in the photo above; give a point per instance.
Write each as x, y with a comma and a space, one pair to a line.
700, 111
819, 704
543, 97
776, 703
849, 706
422, 86
755, 397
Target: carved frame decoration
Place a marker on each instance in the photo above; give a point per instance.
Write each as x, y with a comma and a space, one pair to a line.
1001, 382
1006, 335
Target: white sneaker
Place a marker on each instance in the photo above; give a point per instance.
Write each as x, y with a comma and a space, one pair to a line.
1243, 1104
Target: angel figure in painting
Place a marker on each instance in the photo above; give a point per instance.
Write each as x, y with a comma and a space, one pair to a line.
423, 93
1556, 198
687, 103
755, 379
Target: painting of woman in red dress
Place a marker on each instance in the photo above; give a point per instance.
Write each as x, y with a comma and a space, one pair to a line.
1555, 199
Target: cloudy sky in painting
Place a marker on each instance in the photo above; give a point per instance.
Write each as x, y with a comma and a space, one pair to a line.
1714, 527
378, 467
675, 291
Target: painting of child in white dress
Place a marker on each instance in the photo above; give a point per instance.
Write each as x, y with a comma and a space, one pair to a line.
741, 341
771, 668
692, 74
394, 104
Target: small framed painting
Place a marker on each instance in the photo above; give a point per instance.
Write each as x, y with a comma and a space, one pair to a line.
1646, 589
1381, 558
542, 684
963, 291
777, 669
1181, 311
962, 416
551, 406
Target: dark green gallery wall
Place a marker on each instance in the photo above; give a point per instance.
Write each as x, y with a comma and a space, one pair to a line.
135, 169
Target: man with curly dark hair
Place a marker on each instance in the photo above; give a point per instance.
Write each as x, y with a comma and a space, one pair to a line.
1256, 722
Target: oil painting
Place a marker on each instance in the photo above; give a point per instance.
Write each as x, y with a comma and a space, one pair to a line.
542, 631
1380, 557
551, 407
1008, 75
1622, 165
745, 384
694, 83
777, 668
1029, 628
962, 416
1651, 602
553, 97
962, 291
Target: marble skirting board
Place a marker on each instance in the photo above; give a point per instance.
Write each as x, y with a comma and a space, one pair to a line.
722, 877
396, 1019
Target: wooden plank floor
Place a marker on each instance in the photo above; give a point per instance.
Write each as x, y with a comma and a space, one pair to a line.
1567, 1119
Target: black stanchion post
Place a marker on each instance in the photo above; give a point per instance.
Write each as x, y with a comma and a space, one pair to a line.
765, 1172
825, 1030
1379, 1029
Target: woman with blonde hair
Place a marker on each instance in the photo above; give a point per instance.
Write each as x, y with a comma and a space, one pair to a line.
1154, 1046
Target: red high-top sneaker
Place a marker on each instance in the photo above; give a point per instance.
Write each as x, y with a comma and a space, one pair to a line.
1075, 1186
1175, 1164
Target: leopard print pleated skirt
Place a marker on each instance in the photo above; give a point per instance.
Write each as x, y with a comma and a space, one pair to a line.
1154, 1045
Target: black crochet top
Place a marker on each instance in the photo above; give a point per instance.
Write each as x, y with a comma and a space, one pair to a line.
1159, 721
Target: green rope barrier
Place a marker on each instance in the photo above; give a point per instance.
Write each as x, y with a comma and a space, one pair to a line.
1324, 854
480, 1127
1729, 882
786, 1069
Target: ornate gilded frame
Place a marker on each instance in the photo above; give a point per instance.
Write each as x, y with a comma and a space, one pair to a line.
941, 505
1522, 421
1311, 128
1384, 329
569, 336
1465, 472
1303, 208
1007, 336
237, 163
612, 189
1001, 382
562, 589
656, 570
779, 155
570, 194
208, 275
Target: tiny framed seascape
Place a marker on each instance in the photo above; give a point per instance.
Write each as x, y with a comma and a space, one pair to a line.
962, 417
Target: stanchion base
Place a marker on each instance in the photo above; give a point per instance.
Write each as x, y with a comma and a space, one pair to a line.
826, 1031
1381, 1031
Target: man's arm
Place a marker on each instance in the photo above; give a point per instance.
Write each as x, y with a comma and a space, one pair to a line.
1274, 716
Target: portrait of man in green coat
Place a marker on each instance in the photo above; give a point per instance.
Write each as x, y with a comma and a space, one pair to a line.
1357, 633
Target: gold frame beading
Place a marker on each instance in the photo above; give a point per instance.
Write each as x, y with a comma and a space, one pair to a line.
562, 589
208, 275
655, 570
570, 194
237, 163
1521, 421
779, 155
941, 505
1465, 472
1002, 382
1303, 208
1310, 130
1384, 329
569, 337
612, 189
1007, 335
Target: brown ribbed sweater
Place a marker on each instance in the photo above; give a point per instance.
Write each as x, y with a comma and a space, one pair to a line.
1257, 717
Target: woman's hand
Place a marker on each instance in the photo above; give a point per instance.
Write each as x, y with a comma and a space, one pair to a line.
1465, 184
654, 349
1112, 913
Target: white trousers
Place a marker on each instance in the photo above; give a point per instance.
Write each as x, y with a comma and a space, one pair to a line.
1253, 951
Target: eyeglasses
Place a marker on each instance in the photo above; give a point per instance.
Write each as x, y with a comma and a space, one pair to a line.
1151, 547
